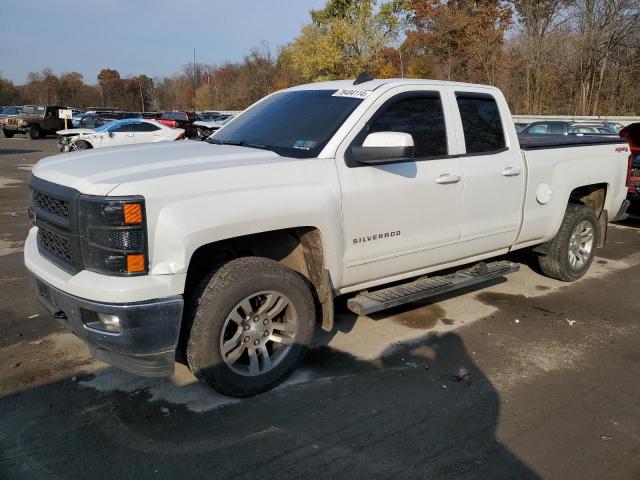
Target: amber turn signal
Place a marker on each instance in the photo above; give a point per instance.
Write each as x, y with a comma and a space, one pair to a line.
135, 263
132, 213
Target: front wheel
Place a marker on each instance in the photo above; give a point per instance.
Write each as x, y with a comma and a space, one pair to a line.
7, 133
80, 145
571, 252
252, 323
33, 132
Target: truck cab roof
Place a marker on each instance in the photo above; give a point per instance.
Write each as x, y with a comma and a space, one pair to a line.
383, 83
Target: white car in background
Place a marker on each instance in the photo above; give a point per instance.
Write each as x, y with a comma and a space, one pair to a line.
129, 131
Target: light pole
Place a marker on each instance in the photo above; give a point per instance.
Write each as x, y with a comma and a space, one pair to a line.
194, 79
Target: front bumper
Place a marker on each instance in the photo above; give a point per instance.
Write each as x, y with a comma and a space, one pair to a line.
149, 331
14, 129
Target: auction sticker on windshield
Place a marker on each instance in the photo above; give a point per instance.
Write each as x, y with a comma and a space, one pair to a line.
347, 92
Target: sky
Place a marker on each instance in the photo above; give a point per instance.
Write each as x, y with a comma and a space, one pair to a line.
154, 37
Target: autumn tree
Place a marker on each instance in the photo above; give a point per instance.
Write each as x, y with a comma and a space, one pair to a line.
110, 86
9, 93
603, 28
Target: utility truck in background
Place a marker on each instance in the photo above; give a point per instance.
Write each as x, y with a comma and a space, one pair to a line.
231, 250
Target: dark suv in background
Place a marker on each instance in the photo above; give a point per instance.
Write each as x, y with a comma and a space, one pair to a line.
35, 121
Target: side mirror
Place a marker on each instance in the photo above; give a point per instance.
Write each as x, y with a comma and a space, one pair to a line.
384, 147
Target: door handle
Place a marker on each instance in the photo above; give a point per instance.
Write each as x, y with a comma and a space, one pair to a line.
447, 178
511, 172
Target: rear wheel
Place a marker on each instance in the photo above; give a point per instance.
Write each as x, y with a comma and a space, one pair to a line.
252, 322
33, 132
8, 133
571, 252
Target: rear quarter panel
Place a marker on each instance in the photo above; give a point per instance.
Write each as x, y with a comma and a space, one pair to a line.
564, 169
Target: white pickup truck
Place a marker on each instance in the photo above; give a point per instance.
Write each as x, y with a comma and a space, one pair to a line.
233, 249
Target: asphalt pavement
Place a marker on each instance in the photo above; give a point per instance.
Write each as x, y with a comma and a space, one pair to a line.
522, 378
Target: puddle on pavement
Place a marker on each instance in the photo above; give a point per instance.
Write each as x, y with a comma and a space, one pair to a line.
9, 182
8, 247
496, 299
417, 317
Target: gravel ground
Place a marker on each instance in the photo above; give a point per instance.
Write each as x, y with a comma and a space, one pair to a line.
525, 378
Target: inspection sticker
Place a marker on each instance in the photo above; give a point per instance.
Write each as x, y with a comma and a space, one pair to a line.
304, 144
347, 92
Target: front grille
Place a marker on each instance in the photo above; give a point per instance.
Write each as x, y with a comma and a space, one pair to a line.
13, 121
52, 205
55, 245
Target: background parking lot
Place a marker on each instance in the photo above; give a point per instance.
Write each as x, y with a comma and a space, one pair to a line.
524, 378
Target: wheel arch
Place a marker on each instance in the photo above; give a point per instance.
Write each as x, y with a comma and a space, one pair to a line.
592, 195
595, 197
300, 248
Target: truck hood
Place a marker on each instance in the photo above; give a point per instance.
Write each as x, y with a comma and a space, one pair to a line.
97, 172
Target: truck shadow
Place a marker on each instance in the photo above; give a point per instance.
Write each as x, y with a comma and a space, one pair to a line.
423, 409
16, 151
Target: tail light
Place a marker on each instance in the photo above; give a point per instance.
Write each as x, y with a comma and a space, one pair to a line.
169, 123
630, 134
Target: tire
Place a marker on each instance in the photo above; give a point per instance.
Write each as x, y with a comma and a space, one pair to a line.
33, 132
7, 133
222, 324
571, 252
80, 145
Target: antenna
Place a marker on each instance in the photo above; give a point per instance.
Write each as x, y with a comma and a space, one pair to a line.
362, 78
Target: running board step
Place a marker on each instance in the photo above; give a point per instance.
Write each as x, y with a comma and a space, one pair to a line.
370, 302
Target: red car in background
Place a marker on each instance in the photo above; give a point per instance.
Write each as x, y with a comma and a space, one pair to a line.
632, 134
181, 120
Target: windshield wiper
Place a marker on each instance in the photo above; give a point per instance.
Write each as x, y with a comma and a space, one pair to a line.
238, 143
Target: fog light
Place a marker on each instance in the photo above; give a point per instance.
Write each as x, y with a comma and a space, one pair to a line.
108, 322
104, 322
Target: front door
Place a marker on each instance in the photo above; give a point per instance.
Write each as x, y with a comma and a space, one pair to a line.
119, 135
404, 216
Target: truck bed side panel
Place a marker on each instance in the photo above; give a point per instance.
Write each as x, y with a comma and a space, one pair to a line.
559, 171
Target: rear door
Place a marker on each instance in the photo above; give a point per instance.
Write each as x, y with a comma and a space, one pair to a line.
493, 169
145, 132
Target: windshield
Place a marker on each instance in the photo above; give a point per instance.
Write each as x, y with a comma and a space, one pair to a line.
294, 124
11, 110
33, 110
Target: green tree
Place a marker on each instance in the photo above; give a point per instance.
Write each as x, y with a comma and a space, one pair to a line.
345, 38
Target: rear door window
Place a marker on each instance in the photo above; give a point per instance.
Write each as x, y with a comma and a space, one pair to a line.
144, 127
481, 123
556, 128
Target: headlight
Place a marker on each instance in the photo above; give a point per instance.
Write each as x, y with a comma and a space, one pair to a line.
23, 123
113, 234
